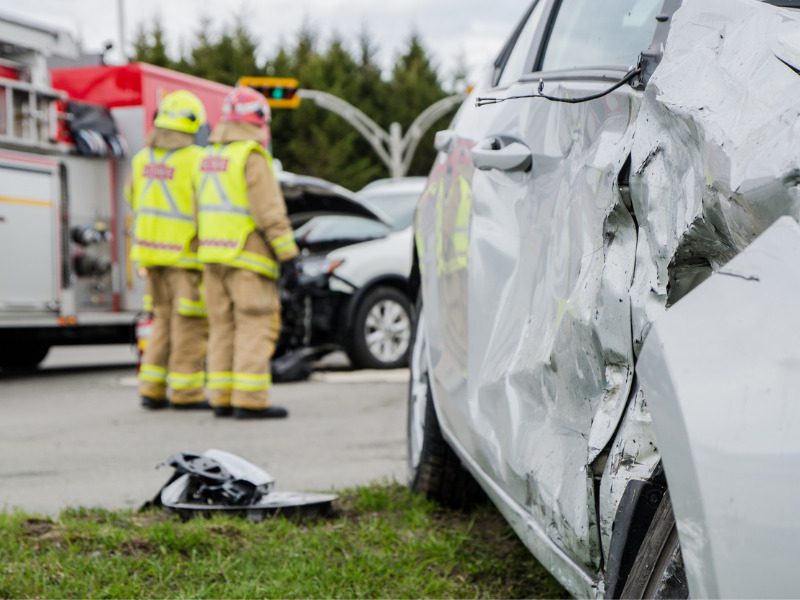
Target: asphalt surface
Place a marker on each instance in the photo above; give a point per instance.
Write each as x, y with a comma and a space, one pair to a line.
73, 434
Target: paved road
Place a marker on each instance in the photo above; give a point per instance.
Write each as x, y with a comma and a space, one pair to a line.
73, 434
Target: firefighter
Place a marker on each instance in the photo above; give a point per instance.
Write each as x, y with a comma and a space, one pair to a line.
244, 233
163, 198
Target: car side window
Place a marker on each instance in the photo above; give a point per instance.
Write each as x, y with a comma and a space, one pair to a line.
611, 33
515, 65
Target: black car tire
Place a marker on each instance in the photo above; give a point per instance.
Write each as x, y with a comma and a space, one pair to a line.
26, 356
358, 348
658, 571
438, 472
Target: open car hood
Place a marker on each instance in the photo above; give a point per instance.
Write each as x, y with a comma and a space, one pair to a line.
308, 197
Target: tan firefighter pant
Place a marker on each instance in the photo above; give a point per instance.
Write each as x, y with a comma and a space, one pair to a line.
244, 320
176, 352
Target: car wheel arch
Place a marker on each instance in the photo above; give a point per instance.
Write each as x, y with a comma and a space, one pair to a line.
415, 278
632, 520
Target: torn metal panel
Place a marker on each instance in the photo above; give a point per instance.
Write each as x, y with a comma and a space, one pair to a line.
715, 158
633, 456
722, 370
715, 162
218, 481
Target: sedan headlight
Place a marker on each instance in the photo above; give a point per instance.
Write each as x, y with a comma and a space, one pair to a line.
316, 266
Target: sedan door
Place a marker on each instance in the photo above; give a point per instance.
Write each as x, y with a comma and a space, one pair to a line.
532, 359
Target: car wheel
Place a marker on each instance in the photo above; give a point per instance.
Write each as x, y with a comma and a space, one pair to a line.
433, 467
658, 571
381, 334
24, 356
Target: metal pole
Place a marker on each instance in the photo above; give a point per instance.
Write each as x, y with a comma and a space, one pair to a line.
396, 150
121, 29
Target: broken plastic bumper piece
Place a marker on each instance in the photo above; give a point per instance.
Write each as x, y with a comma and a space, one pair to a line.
218, 481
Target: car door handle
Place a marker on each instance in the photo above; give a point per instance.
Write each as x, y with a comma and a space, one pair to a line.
503, 154
444, 140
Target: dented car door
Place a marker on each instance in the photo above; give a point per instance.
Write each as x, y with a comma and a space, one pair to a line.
534, 356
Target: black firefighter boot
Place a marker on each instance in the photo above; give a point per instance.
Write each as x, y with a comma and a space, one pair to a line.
202, 405
271, 412
154, 403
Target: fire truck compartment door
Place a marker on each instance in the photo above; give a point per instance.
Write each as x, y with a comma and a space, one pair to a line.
29, 236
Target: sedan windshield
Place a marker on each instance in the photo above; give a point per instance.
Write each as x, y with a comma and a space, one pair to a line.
335, 227
397, 206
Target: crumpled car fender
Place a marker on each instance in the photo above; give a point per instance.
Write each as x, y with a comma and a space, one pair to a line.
715, 161
716, 158
721, 372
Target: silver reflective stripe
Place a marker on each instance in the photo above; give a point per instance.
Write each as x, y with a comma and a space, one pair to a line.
265, 266
203, 185
206, 176
224, 209
154, 160
220, 190
174, 212
212, 152
165, 214
226, 205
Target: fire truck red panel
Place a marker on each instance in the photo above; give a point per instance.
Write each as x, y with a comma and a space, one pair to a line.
136, 84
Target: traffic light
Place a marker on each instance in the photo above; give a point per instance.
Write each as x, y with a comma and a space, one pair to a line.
280, 92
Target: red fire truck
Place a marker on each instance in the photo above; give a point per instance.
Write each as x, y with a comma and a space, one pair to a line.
66, 138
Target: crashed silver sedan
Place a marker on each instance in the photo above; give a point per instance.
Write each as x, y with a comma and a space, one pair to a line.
608, 267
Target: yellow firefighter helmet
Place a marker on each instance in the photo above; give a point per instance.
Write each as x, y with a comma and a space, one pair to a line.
181, 111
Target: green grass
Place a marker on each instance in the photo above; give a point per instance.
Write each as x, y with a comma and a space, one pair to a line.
381, 542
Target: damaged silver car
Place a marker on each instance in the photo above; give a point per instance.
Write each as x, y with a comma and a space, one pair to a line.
607, 264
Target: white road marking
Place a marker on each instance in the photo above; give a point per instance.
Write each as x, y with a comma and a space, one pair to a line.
363, 376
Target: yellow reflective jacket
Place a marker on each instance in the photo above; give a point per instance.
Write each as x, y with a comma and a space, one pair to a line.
224, 217
162, 198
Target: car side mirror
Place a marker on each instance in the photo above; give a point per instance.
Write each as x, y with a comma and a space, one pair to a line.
444, 140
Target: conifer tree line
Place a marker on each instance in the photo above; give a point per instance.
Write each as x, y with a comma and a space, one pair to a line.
310, 140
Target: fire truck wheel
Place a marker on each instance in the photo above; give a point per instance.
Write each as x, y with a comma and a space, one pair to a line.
23, 357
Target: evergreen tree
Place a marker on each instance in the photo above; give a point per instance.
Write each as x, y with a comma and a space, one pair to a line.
371, 90
311, 140
414, 86
151, 46
223, 57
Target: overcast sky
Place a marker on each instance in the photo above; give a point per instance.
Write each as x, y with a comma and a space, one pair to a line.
472, 29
